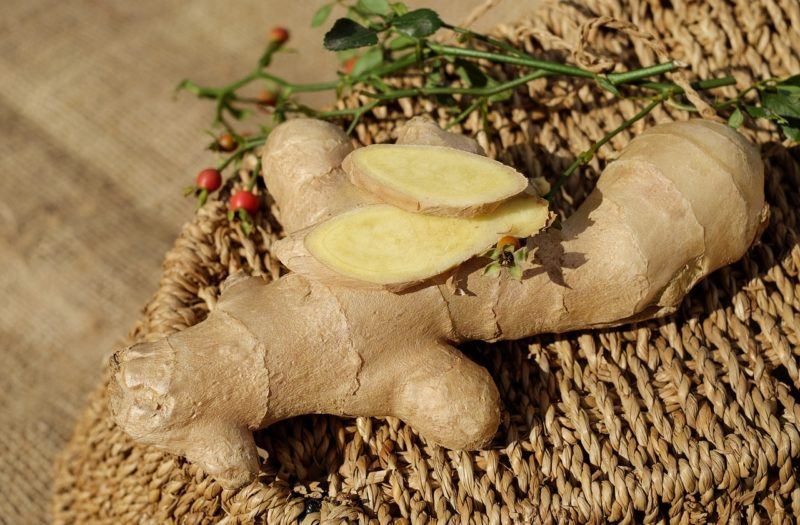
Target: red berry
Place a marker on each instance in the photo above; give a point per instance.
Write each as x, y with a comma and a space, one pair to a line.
244, 200
209, 179
267, 97
279, 35
508, 240
349, 64
226, 142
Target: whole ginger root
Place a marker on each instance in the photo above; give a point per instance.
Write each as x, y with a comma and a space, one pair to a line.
682, 200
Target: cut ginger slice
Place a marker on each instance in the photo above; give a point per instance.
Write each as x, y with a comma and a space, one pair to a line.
384, 246
434, 180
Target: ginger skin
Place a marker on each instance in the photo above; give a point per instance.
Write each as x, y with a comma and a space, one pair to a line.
682, 200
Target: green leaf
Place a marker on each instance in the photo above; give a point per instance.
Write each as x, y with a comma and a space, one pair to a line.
492, 269
371, 59
399, 8
434, 78
791, 133
321, 15
736, 118
515, 272
491, 253
757, 112
795, 90
343, 56
784, 104
402, 42
519, 256
418, 23
502, 96
375, 7
790, 85
347, 34
470, 74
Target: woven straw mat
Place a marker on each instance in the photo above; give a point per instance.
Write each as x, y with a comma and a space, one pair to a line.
690, 419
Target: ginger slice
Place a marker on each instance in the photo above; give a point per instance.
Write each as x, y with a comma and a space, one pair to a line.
384, 245
434, 180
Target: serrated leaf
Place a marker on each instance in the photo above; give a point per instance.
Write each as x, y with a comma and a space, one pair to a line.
375, 7
736, 118
519, 255
347, 34
370, 59
418, 23
515, 272
791, 133
783, 104
321, 15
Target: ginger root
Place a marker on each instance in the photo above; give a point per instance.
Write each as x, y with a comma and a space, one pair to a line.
380, 245
682, 200
434, 180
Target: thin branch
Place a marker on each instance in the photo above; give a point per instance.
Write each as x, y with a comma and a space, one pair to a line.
587, 155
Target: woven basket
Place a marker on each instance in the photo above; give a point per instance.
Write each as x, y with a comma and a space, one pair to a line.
692, 419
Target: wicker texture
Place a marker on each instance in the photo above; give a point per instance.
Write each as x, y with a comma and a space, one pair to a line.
691, 419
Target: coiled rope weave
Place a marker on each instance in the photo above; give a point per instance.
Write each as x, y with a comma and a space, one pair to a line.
691, 419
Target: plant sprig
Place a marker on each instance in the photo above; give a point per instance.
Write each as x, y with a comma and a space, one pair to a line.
378, 39
510, 254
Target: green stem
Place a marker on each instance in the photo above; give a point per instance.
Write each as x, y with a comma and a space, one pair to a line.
254, 176
464, 114
445, 90
332, 113
587, 155
701, 85
392, 67
358, 114
244, 147
219, 115
637, 74
484, 38
552, 67
298, 88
